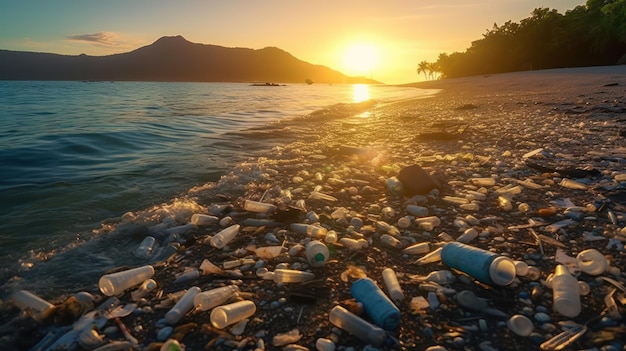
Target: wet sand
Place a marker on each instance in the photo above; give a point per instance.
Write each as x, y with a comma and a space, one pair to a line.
479, 127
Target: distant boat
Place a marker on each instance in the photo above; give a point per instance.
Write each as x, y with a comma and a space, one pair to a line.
308, 81
266, 84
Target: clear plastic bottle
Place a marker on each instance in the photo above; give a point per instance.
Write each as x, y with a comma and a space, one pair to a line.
203, 219
26, 300
428, 223
214, 297
393, 286
288, 276
258, 207
146, 248
145, 287
222, 238
357, 326
331, 237
316, 253
115, 283
565, 292
184, 305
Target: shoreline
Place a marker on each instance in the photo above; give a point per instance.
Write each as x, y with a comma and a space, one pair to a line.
475, 127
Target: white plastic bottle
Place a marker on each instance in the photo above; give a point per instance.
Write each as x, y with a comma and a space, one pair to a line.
222, 238
393, 286
565, 292
203, 219
146, 248
316, 253
214, 297
26, 300
288, 276
357, 326
183, 306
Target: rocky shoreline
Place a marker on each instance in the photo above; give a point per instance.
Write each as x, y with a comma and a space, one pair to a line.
524, 132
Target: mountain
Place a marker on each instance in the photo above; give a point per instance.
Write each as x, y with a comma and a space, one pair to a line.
172, 59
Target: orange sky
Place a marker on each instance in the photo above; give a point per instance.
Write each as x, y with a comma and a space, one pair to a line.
381, 39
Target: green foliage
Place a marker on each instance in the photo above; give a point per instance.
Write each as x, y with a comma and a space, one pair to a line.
588, 35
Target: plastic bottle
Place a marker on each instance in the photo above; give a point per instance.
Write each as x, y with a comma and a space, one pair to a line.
486, 266
258, 207
183, 305
316, 253
203, 219
433, 256
27, 301
357, 326
393, 286
115, 283
223, 316
315, 231
145, 287
288, 276
222, 238
428, 223
146, 248
565, 292
214, 297
419, 248
376, 304
467, 236
331, 237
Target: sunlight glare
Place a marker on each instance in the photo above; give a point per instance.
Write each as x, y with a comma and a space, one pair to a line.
360, 59
361, 92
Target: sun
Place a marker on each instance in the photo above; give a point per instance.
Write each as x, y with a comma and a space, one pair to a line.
360, 59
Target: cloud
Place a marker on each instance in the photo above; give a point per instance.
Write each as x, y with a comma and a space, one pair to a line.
102, 38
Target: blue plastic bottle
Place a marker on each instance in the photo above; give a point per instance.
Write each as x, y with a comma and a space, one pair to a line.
487, 267
377, 305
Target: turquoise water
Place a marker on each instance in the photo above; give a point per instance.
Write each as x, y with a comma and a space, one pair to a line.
75, 154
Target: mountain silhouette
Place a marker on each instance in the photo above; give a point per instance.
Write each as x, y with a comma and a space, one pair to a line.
173, 59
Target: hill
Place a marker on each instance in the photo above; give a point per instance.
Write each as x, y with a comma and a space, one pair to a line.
172, 59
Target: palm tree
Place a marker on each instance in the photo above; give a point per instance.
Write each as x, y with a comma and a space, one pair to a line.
433, 68
423, 67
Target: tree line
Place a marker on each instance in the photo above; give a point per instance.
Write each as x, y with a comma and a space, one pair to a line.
593, 34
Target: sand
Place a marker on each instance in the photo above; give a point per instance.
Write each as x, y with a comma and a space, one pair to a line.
474, 127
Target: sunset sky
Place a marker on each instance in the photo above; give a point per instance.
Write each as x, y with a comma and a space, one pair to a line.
381, 39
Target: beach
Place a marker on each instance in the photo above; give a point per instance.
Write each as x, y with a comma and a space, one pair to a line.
550, 143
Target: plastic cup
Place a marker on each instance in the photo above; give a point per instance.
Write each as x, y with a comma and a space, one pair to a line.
223, 316
115, 283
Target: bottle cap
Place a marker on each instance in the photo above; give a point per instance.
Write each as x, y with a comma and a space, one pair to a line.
319, 257
502, 271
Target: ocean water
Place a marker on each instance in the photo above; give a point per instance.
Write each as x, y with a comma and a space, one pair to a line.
78, 157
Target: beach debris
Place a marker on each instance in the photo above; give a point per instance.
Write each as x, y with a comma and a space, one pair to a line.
376, 304
286, 338
367, 213
592, 262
